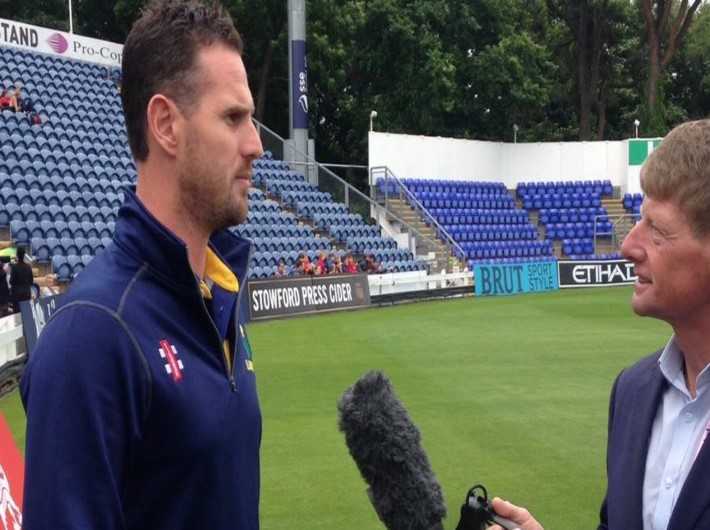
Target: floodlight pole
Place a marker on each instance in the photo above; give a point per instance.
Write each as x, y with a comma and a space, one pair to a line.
71, 20
298, 80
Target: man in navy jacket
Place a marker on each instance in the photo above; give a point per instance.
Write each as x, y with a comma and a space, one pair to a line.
658, 458
141, 401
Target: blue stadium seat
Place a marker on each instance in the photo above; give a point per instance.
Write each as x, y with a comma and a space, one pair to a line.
55, 246
11, 212
89, 229
75, 264
19, 232
40, 250
69, 246
62, 229
61, 268
84, 246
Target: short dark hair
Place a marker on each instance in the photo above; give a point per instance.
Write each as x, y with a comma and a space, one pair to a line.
160, 54
20, 254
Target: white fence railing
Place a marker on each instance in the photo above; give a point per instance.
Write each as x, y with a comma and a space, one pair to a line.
12, 351
11, 347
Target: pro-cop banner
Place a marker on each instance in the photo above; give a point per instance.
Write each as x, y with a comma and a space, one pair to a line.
307, 294
515, 278
35, 314
595, 273
59, 43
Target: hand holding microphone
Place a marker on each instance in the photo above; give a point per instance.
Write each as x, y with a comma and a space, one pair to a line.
520, 515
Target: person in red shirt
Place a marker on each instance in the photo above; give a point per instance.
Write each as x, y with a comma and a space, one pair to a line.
349, 265
321, 265
4, 99
16, 99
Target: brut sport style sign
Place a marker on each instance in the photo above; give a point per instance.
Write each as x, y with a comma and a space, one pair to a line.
515, 278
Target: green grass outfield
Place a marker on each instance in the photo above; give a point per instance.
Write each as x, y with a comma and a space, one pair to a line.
511, 392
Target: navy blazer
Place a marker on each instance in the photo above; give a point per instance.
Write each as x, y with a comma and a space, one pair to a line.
635, 398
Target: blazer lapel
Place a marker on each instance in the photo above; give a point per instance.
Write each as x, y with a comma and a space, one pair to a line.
646, 399
628, 445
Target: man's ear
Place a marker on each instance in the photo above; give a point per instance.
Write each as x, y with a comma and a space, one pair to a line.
163, 129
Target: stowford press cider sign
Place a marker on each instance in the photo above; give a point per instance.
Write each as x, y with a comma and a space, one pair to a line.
307, 294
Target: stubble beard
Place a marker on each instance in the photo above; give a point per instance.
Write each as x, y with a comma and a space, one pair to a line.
209, 205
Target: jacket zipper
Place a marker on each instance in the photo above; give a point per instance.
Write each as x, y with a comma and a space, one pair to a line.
237, 330
230, 376
237, 336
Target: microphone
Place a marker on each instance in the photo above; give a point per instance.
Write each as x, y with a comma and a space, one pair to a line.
385, 444
477, 512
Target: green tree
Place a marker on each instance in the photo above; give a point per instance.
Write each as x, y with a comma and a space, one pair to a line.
689, 80
263, 26
593, 45
46, 13
401, 67
512, 87
97, 19
505, 72
667, 22
338, 116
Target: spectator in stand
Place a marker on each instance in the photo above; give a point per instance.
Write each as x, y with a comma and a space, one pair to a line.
321, 264
301, 268
4, 291
281, 269
350, 266
49, 288
305, 263
337, 265
4, 100
298, 268
20, 281
16, 99
371, 266
25, 104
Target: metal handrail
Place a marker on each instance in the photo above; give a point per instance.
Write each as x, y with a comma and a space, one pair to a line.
349, 191
452, 245
620, 228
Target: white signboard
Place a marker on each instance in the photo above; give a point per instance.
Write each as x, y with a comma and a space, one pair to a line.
59, 43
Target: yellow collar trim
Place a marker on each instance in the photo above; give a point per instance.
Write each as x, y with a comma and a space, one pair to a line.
217, 272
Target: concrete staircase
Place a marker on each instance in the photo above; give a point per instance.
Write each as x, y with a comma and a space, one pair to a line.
429, 244
622, 222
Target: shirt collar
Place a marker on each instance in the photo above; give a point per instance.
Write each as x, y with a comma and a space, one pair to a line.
672, 363
217, 273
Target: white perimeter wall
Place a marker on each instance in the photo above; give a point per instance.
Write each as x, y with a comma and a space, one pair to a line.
454, 159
